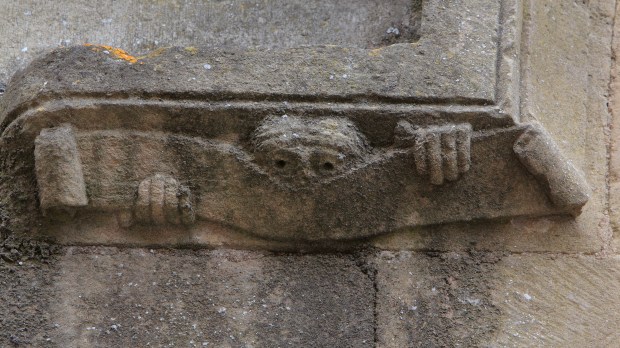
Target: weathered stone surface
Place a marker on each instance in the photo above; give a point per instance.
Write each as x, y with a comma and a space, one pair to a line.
557, 301
121, 104
142, 25
587, 232
27, 271
543, 234
288, 199
614, 209
109, 297
210, 112
565, 185
434, 67
493, 300
237, 172
59, 170
565, 89
614, 160
571, 301
435, 300
444, 56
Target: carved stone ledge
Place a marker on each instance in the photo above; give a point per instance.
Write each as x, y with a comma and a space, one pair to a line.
164, 151
306, 178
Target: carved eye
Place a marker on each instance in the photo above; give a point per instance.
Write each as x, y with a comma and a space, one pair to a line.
280, 163
326, 162
284, 162
328, 165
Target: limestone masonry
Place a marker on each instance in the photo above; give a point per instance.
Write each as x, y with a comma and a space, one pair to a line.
355, 173
126, 144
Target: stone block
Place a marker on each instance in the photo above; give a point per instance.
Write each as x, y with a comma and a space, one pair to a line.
25, 317
557, 301
438, 46
494, 300
435, 300
59, 170
614, 160
276, 160
105, 297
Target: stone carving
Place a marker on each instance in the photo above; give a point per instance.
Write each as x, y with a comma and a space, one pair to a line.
565, 185
292, 171
301, 150
441, 152
161, 199
59, 172
289, 151
161, 160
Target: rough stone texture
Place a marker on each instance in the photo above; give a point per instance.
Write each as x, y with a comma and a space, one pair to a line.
539, 154
614, 160
435, 300
98, 88
110, 297
25, 314
141, 25
60, 179
571, 300
565, 87
450, 74
241, 177
474, 299
433, 68
98, 297
557, 301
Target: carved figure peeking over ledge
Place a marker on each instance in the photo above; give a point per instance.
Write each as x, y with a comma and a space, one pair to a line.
289, 165
304, 150
302, 178
207, 157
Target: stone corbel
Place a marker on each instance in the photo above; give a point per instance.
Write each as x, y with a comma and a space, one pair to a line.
172, 152
296, 174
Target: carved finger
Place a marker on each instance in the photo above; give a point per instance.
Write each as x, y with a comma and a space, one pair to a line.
435, 167
463, 147
157, 200
171, 201
419, 153
449, 155
186, 209
142, 208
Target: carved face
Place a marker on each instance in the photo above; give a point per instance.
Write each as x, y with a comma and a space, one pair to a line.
311, 149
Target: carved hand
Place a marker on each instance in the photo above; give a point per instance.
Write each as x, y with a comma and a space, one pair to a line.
161, 199
441, 152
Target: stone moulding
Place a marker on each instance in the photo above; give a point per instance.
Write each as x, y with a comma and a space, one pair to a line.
286, 176
266, 142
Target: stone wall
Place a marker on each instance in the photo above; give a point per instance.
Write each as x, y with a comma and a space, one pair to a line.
515, 281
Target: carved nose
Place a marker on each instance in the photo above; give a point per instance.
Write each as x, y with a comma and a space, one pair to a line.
307, 172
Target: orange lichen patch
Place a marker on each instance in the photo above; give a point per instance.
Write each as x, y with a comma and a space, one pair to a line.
375, 52
154, 53
114, 52
191, 50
